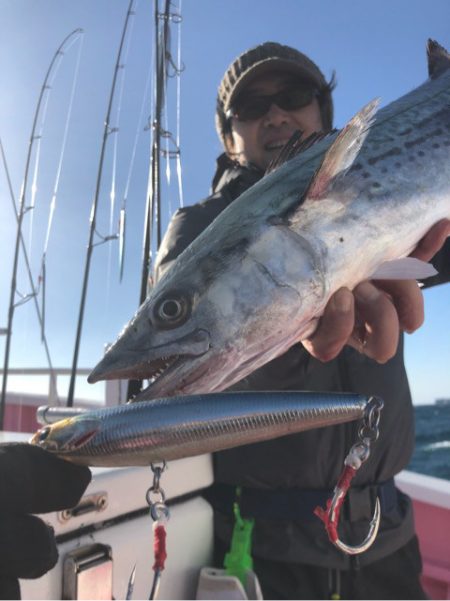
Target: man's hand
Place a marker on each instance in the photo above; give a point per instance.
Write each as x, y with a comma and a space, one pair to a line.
32, 481
370, 319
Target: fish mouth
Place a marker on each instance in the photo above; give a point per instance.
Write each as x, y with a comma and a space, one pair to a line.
187, 375
159, 372
151, 363
216, 369
147, 370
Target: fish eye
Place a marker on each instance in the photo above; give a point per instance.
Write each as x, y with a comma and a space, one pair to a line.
172, 310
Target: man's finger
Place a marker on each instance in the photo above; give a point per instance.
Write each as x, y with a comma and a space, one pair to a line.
27, 547
9, 588
432, 242
335, 327
378, 318
35, 481
407, 298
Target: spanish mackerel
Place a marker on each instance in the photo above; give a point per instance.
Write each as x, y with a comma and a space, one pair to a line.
349, 207
162, 430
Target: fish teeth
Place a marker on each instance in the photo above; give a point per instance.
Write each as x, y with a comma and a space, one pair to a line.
164, 363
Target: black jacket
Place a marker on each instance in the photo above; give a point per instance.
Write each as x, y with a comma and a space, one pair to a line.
314, 459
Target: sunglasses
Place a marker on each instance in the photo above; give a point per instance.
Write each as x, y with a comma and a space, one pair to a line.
249, 108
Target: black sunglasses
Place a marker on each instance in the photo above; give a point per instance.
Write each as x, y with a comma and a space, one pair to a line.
249, 108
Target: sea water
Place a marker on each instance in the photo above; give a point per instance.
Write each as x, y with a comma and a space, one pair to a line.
432, 452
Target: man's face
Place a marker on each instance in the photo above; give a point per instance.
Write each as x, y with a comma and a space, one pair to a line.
259, 140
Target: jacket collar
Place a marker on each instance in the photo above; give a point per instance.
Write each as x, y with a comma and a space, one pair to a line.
234, 176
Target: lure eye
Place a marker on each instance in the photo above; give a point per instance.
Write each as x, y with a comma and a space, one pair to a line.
41, 438
172, 310
43, 434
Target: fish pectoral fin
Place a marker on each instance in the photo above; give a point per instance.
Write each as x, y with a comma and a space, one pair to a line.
343, 152
407, 268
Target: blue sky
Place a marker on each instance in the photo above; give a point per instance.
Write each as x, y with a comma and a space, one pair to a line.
376, 49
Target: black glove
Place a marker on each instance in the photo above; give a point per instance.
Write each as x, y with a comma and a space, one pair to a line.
32, 481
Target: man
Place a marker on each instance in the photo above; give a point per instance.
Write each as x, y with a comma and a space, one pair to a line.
271, 91
267, 94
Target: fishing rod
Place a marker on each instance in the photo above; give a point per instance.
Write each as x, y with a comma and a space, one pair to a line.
38, 138
52, 209
107, 130
153, 206
34, 292
122, 214
20, 214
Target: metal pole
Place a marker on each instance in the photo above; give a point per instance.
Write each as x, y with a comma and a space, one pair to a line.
163, 80
93, 216
148, 224
20, 215
153, 206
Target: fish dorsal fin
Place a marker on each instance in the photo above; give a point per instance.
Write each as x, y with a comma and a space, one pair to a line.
438, 59
407, 268
294, 146
344, 150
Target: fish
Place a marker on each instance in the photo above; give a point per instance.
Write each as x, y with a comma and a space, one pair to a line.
138, 434
346, 207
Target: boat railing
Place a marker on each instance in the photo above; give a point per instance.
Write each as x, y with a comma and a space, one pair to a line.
115, 390
20, 407
52, 377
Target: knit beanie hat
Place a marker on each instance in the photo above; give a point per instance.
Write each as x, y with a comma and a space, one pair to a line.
264, 58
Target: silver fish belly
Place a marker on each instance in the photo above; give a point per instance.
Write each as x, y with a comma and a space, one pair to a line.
150, 431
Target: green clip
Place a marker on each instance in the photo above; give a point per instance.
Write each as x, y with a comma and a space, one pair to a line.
239, 559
